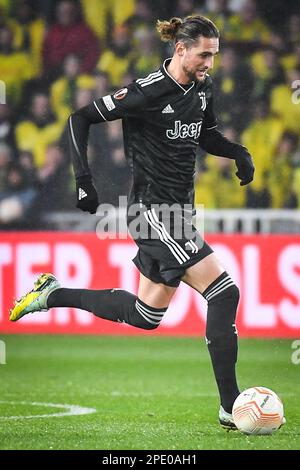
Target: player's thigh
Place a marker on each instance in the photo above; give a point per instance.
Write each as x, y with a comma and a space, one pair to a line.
154, 294
202, 274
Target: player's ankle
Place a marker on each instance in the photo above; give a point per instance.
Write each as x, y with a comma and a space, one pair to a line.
227, 409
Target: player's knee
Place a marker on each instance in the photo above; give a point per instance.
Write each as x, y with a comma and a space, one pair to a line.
147, 317
222, 308
234, 293
226, 293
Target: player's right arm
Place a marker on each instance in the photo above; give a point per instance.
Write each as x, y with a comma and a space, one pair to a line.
215, 143
129, 101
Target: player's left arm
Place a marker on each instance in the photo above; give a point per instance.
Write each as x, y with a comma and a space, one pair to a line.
126, 102
214, 142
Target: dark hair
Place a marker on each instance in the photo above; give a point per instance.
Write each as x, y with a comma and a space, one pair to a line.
187, 30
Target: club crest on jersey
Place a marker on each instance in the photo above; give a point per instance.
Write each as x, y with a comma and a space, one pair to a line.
184, 130
120, 94
203, 100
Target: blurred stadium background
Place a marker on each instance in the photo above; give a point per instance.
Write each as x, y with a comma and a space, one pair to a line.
57, 56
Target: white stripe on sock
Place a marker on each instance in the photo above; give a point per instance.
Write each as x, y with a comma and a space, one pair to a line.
231, 283
220, 283
146, 318
146, 310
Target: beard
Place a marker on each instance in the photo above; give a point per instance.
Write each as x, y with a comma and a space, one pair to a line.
192, 74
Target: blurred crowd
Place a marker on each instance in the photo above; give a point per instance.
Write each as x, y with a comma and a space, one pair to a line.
57, 56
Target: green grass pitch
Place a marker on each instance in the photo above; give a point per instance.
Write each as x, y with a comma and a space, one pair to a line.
148, 392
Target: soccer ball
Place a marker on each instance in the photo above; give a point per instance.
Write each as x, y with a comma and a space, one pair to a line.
258, 410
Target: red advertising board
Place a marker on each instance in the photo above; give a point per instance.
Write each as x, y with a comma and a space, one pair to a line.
266, 269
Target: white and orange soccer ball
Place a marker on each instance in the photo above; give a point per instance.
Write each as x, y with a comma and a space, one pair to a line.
258, 410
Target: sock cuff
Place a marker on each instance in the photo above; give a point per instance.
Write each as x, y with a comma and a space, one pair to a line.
218, 286
152, 315
152, 309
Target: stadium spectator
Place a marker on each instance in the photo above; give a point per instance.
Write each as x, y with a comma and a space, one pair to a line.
216, 185
268, 73
96, 14
293, 30
54, 181
69, 35
282, 103
246, 30
117, 59
280, 179
31, 30
26, 161
291, 60
102, 15
220, 13
15, 66
121, 10
101, 83
7, 133
63, 90
39, 129
262, 137
146, 51
17, 199
184, 8
118, 176
294, 201
83, 96
7, 22
142, 16
5, 159
233, 90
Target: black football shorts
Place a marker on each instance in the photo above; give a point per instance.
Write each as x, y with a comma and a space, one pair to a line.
168, 244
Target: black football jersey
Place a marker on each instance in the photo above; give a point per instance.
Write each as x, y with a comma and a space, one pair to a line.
162, 123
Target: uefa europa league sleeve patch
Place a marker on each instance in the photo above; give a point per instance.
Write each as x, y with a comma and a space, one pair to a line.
120, 94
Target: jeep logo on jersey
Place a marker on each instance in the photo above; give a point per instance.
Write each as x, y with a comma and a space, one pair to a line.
185, 130
203, 100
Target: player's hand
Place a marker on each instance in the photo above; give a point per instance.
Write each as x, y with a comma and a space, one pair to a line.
245, 167
86, 194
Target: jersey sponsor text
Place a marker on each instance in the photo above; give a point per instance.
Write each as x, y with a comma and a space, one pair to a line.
185, 130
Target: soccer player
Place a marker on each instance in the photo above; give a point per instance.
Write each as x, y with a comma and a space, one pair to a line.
166, 115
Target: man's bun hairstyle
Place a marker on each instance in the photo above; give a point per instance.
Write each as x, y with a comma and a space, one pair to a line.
168, 29
187, 30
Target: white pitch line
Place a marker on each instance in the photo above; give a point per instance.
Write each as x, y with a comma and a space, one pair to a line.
70, 410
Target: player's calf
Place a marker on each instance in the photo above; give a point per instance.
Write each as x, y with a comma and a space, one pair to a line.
221, 334
110, 304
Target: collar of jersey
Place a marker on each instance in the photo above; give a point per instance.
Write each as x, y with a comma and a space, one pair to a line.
173, 79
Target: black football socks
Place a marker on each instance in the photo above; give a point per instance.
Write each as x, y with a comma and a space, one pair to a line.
221, 336
111, 304
121, 306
